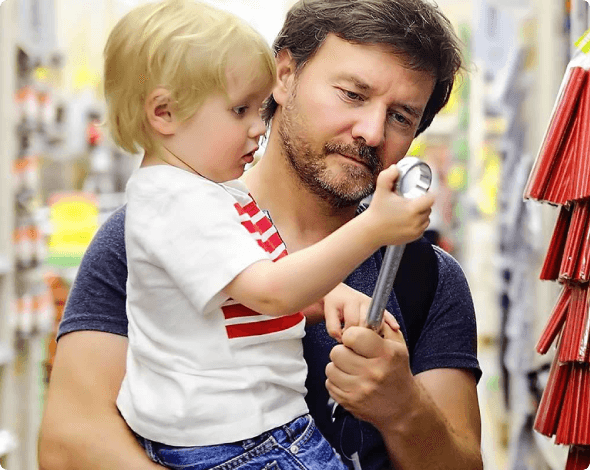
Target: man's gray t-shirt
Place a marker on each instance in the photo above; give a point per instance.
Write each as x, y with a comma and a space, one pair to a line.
448, 337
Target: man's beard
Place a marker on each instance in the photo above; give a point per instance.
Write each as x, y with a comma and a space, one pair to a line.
348, 188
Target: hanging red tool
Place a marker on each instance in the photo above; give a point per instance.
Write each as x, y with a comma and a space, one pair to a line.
561, 176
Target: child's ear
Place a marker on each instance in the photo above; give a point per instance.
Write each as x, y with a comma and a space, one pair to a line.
285, 76
158, 108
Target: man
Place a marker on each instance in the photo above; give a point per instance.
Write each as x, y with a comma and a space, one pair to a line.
357, 81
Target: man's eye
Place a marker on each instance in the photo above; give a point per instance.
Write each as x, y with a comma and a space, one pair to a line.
351, 95
240, 110
399, 118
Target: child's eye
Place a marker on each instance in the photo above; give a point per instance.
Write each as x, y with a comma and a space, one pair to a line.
240, 110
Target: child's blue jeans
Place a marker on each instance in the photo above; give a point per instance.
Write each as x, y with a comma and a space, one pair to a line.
297, 445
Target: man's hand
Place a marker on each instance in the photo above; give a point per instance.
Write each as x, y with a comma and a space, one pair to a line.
367, 370
437, 409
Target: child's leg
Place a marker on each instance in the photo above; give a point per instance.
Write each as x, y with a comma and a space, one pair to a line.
297, 445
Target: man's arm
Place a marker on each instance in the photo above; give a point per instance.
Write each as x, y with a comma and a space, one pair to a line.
429, 421
82, 428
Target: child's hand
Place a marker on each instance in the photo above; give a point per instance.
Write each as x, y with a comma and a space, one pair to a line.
345, 307
399, 220
314, 313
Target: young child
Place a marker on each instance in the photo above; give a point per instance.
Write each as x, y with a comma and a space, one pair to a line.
215, 372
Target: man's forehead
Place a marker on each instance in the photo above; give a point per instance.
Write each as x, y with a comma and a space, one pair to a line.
334, 41
342, 55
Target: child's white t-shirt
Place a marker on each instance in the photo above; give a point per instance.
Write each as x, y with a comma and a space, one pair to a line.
202, 370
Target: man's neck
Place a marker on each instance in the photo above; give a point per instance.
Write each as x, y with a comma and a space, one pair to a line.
301, 217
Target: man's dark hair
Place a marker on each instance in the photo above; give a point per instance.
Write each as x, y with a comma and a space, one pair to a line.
416, 30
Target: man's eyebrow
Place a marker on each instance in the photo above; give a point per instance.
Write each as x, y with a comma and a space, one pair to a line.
360, 84
408, 109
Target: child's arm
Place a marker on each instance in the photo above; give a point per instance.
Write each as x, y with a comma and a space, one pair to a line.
304, 277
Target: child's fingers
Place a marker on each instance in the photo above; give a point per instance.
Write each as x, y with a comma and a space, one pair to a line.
364, 310
423, 204
386, 179
333, 317
352, 313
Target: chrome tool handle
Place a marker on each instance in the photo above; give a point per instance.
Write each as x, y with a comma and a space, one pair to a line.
413, 181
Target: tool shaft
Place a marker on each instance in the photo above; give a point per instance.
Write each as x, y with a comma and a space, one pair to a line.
414, 180
389, 267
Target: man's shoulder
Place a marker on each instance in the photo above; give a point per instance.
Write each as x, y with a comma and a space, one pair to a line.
97, 297
107, 248
449, 269
111, 234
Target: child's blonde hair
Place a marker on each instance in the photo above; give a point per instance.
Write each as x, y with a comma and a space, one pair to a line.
183, 46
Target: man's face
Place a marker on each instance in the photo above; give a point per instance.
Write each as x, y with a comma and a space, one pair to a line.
352, 111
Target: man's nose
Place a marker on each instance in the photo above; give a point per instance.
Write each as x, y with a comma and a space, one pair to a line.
370, 126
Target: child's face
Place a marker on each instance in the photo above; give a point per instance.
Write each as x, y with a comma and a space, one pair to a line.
222, 136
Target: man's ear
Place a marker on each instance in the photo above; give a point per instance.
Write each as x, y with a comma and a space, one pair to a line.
285, 76
158, 108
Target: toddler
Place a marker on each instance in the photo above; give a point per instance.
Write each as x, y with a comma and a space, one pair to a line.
215, 371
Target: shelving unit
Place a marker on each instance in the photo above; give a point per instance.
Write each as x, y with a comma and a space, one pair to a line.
8, 395
25, 25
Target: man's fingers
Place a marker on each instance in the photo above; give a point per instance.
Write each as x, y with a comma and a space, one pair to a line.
390, 329
390, 320
363, 341
346, 360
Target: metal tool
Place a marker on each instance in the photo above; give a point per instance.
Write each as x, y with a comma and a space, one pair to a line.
414, 180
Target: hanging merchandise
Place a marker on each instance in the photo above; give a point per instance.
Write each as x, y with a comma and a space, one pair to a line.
100, 177
30, 313
561, 175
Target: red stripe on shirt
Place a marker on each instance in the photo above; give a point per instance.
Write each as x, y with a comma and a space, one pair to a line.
239, 208
273, 242
281, 255
251, 209
263, 327
238, 310
249, 226
263, 225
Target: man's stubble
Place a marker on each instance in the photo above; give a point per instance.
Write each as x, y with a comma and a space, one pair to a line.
346, 189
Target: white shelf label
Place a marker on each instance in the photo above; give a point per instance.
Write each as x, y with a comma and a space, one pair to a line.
4, 265
6, 354
7, 442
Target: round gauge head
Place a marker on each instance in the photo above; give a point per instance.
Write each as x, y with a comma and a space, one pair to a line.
414, 179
